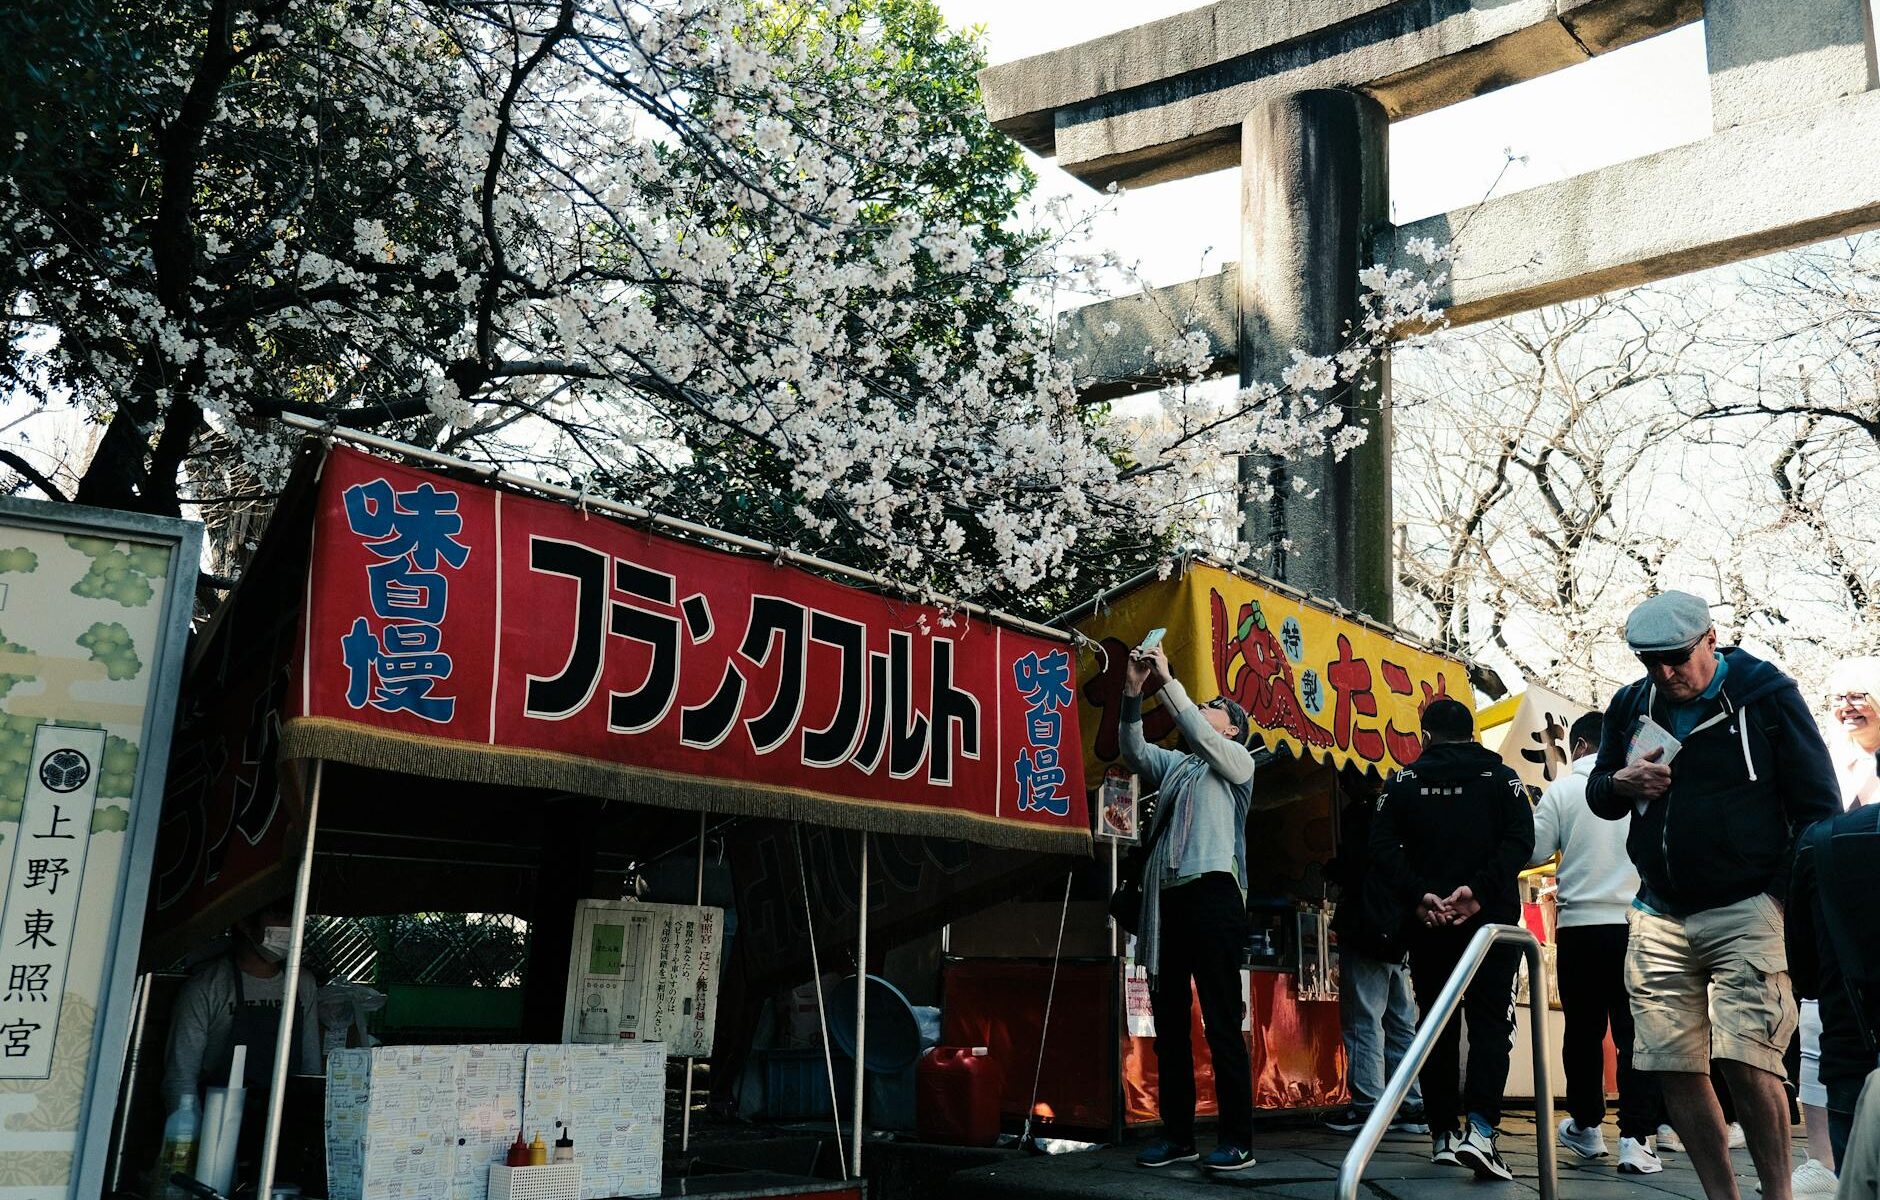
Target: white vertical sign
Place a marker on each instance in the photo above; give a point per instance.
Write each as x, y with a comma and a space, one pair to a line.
41, 915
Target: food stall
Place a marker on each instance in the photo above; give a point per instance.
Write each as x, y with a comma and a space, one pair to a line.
1334, 699
455, 689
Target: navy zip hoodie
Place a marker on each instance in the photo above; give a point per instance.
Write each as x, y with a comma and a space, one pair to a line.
1743, 789
1457, 815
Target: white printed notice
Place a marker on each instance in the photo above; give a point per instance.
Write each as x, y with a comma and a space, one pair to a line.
644, 973
42, 891
1649, 735
1138, 1013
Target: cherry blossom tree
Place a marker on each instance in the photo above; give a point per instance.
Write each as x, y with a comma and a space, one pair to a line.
752, 259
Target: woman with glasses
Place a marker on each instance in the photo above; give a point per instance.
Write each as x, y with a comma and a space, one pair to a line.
1854, 710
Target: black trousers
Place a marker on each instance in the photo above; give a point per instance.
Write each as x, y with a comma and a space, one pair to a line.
1591, 966
1203, 930
1488, 1007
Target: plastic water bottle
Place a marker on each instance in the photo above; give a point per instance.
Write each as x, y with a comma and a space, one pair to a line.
180, 1134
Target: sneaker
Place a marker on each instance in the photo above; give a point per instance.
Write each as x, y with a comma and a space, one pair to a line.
1737, 1138
1411, 1120
1165, 1153
1475, 1149
1349, 1121
1813, 1178
1228, 1158
1443, 1148
1636, 1158
1587, 1143
1667, 1141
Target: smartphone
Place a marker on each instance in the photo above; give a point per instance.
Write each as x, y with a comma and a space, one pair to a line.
1150, 640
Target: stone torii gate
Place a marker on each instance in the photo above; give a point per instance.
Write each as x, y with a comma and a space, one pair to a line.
1300, 94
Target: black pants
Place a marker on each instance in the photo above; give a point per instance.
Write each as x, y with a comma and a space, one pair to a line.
1488, 1007
1203, 930
1592, 991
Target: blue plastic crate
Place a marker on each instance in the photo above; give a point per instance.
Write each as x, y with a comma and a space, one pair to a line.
796, 1085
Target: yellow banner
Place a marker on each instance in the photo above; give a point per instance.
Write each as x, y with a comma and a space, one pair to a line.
1318, 684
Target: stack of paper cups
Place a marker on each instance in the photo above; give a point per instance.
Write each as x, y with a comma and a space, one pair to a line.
221, 1127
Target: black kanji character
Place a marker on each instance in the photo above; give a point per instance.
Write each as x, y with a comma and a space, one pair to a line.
775, 620
647, 705
950, 707
566, 693
831, 745
907, 727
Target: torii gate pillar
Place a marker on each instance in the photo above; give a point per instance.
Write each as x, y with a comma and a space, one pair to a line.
1313, 191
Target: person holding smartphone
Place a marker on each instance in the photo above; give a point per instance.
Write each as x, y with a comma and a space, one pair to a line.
1194, 904
1735, 772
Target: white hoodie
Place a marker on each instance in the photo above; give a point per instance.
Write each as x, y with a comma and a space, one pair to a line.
1597, 879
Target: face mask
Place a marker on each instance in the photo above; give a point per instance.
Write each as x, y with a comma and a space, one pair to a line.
274, 942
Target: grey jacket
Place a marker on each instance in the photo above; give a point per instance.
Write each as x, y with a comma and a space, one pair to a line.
1205, 793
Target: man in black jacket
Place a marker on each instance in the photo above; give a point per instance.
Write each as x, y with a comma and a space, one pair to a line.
1450, 840
1376, 1014
1716, 758
1834, 950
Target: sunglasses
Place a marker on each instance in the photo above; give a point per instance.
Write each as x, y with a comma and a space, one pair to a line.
1668, 658
1840, 699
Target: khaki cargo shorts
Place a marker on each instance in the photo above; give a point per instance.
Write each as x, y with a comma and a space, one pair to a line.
1714, 984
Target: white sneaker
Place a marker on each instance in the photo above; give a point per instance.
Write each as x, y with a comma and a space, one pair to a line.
1667, 1141
1636, 1158
1587, 1143
1443, 1149
1813, 1178
1737, 1138
1476, 1151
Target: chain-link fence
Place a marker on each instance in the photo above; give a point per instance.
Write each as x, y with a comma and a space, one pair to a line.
453, 949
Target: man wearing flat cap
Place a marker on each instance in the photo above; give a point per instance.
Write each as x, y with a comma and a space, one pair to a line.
1194, 907
1717, 760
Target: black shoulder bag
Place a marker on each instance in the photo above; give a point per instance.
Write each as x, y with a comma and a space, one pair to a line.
1126, 900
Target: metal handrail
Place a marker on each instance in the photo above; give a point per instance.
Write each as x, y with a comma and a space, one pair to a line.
1433, 1021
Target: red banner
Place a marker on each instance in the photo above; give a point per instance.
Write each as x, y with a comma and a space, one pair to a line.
461, 631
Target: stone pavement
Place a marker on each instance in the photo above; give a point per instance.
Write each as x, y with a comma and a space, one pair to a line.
1301, 1163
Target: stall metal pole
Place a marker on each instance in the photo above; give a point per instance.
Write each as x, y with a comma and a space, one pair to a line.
698, 900
290, 992
861, 1013
140, 1007
1115, 875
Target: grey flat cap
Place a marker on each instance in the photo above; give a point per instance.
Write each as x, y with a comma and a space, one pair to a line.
1667, 621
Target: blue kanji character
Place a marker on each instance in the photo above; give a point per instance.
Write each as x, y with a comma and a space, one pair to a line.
402, 593
1039, 778
361, 651
1044, 682
397, 675
1042, 727
422, 523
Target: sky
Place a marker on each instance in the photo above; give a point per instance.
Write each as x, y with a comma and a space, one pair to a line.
1618, 106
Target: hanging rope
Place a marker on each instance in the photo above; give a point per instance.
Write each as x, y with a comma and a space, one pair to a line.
822, 1015
1044, 1034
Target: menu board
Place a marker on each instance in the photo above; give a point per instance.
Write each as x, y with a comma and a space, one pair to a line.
426, 1122
644, 973
391, 1127
612, 1101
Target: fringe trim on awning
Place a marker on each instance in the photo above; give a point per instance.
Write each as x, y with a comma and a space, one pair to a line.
411, 754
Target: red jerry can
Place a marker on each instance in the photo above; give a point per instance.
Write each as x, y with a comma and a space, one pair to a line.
956, 1096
